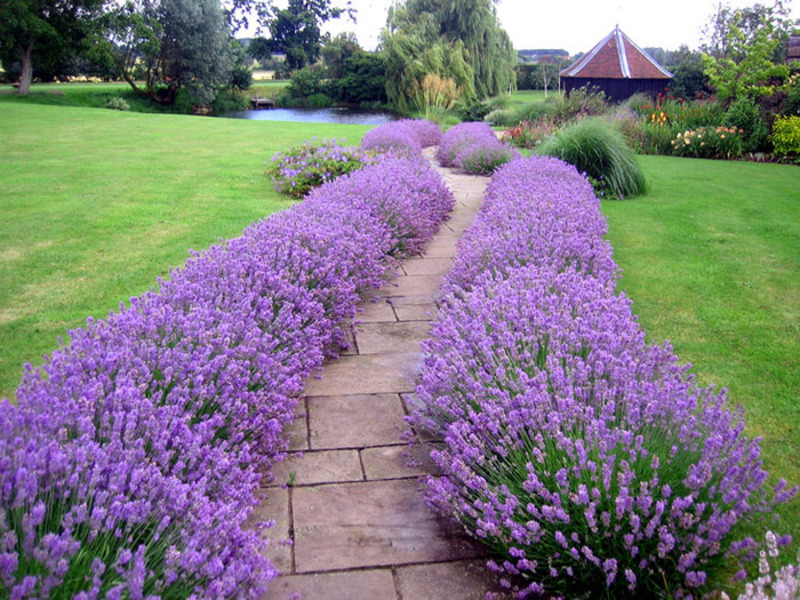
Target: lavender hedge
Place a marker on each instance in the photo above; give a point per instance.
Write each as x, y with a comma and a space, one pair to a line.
134, 454
474, 147
406, 137
585, 458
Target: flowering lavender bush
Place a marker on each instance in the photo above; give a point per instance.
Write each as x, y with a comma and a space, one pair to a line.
133, 457
783, 584
475, 148
299, 169
585, 458
406, 137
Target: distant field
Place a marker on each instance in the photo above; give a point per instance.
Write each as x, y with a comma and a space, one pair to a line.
529, 96
96, 204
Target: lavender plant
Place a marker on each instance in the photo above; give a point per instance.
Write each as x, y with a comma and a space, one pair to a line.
475, 148
406, 137
583, 457
302, 168
134, 454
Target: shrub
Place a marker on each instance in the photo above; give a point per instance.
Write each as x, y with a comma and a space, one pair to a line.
134, 455
596, 149
529, 134
744, 116
302, 168
406, 137
709, 142
783, 585
786, 137
588, 461
484, 157
457, 138
117, 103
588, 101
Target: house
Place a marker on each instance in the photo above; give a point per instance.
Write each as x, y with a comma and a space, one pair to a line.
618, 67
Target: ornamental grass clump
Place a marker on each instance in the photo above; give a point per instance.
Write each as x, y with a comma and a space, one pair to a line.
406, 137
588, 461
134, 454
598, 150
298, 170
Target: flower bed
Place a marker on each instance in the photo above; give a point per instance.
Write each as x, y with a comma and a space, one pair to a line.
134, 454
583, 457
473, 147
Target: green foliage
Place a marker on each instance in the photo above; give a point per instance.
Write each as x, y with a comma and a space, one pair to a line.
744, 115
363, 79
709, 142
689, 80
746, 68
117, 103
180, 44
241, 73
587, 101
530, 134
786, 137
306, 82
791, 105
335, 53
461, 40
597, 149
300, 169
295, 30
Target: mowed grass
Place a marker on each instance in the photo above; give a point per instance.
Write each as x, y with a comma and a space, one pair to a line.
96, 204
711, 259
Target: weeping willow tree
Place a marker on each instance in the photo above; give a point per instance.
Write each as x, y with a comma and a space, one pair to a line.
456, 40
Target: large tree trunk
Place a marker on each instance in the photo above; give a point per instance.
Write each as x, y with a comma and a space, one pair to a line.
26, 76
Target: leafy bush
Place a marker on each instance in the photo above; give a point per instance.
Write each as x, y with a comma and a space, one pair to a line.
589, 462
744, 116
134, 455
302, 168
597, 149
117, 103
529, 134
588, 101
709, 142
786, 137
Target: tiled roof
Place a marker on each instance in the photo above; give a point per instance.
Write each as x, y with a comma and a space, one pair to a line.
617, 57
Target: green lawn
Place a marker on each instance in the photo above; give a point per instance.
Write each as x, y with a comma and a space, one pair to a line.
711, 259
96, 204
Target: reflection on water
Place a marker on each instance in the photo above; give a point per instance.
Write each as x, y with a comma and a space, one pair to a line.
344, 116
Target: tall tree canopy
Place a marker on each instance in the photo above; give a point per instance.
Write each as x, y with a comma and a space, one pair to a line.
177, 43
742, 57
30, 29
295, 30
453, 39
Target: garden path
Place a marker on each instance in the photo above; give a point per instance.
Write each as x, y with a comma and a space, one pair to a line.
354, 512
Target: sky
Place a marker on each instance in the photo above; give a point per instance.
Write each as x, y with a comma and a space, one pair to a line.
574, 25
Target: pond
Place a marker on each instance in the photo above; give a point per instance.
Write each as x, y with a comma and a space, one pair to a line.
342, 116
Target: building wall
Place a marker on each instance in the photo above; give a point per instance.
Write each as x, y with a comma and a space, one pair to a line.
616, 89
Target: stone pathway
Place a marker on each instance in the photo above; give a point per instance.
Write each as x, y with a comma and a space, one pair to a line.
353, 509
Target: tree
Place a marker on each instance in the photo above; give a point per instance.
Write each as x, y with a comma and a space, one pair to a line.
452, 39
33, 29
295, 30
739, 62
719, 36
177, 43
336, 51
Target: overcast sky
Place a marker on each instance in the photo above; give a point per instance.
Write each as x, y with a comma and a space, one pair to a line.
575, 25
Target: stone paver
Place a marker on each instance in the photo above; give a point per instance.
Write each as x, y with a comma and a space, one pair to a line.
355, 421
371, 373
376, 523
386, 338
351, 501
375, 584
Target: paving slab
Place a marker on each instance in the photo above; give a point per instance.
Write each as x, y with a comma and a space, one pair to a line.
416, 312
444, 246
410, 285
355, 421
367, 374
375, 312
383, 338
371, 524
313, 467
460, 580
428, 266
396, 462
274, 505
373, 584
